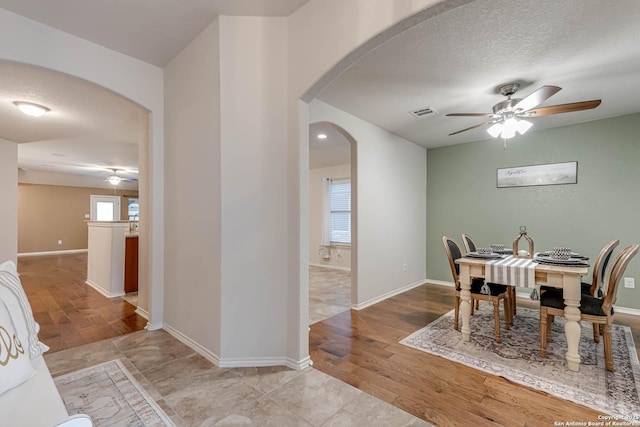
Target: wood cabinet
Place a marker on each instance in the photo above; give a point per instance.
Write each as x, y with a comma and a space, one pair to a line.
131, 264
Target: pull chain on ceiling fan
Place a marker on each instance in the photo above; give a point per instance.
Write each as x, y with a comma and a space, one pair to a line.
509, 116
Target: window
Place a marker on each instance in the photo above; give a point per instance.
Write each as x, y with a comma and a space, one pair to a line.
341, 211
104, 208
104, 211
133, 210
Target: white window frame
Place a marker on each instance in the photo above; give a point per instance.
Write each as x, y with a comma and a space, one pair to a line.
333, 210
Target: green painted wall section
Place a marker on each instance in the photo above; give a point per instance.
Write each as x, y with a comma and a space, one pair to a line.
604, 205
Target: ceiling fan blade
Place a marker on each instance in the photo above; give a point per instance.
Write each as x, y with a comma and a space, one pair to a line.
470, 115
472, 127
563, 108
537, 98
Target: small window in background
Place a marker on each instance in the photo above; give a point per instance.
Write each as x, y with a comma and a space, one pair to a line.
104, 211
341, 212
133, 210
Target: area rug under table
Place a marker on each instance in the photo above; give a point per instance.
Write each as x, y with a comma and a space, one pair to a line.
110, 395
518, 359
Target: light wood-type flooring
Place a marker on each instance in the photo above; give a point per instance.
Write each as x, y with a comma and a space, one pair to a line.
71, 313
362, 349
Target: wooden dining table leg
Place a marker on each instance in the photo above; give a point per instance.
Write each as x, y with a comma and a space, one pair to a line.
571, 292
465, 301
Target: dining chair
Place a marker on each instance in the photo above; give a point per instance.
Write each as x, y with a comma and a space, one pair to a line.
496, 292
592, 309
599, 268
469, 243
470, 246
595, 287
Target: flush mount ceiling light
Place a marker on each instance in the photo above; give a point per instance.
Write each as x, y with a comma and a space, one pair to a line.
31, 109
322, 136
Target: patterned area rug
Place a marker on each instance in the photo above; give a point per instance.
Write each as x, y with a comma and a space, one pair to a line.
518, 359
110, 395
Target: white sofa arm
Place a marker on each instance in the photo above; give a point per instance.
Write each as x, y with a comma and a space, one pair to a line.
79, 420
34, 403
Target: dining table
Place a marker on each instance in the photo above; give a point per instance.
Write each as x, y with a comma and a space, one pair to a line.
565, 277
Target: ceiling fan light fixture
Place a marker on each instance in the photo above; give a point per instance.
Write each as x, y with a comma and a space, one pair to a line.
523, 126
114, 180
495, 130
31, 109
507, 129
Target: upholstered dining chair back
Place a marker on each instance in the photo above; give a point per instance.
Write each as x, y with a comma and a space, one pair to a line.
615, 275
600, 266
469, 244
453, 253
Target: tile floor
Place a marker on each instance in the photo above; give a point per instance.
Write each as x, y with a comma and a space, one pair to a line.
329, 292
194, 392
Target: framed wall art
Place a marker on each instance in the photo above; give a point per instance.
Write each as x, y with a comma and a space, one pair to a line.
547, 174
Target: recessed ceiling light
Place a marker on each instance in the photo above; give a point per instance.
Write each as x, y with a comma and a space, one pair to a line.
31, 109
322, 136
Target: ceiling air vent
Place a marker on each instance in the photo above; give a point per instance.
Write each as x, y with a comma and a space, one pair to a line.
421, 112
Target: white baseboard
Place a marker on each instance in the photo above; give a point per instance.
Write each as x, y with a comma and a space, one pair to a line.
207, 354
251, 362
240, 362
70, 251
153, 326
104, 292
440, 282
387, 295
334, 267
625, 310
142, 312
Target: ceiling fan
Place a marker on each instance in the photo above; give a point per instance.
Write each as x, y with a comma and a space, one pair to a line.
508, 116
114, 179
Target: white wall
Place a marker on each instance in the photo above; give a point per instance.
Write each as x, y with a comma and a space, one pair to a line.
340, 255
193, 189
391, 206
32, 43
253, 81
266, 149
9, 204
325, 37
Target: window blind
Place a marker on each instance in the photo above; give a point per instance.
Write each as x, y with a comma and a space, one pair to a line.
341, 212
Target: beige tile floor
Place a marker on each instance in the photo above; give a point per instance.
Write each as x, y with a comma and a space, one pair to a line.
329, 292
194, 392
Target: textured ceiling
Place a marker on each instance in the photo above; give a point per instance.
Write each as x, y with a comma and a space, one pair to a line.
88, 129
456, 61
453, 62
332, 151
154, 31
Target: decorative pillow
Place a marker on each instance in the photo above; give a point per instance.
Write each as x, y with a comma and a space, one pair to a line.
13, 296
15, 363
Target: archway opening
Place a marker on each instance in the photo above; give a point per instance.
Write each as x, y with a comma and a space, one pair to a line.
332, 221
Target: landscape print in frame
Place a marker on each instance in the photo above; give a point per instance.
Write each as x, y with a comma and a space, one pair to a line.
547, 174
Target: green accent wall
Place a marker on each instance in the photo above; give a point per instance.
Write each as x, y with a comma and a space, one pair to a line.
604, 205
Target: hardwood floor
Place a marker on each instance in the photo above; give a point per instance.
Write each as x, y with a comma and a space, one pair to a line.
361, 348
71, 313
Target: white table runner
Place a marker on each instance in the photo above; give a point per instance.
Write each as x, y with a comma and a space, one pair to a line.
511, 271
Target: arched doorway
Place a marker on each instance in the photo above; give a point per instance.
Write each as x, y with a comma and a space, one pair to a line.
332, 221
75, 103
